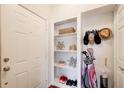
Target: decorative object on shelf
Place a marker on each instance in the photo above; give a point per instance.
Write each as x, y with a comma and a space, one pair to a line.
72, 62
62, 63
88, 76
65, 43
66, 30
73, 47
63, 79
105, 33
60, 45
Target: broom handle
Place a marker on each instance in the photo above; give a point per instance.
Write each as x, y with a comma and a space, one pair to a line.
105, 61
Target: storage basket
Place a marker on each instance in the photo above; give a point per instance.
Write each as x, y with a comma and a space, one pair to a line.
67, 30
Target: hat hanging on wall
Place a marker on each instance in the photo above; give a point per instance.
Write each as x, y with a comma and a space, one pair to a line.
91, 38
86, 40
105, 33
97, 38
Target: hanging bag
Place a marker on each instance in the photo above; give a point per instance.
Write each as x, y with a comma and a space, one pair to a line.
89, 75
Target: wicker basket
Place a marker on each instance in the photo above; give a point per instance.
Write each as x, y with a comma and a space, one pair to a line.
67, 30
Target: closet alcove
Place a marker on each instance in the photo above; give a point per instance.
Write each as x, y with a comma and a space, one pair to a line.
97, 19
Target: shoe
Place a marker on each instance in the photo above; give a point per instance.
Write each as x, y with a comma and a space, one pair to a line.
75, 83
68, 82
71, 83
63, 79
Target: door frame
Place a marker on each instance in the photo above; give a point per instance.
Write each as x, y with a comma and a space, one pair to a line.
116, 46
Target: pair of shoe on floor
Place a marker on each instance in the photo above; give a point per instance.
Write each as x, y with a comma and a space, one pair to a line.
71, 82
63, 79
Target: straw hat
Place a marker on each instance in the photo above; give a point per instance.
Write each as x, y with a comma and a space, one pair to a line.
105, 33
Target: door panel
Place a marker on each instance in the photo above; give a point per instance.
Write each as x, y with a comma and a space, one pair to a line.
24, 43
21, 47
120, 47
120, 80
121, 43
21, 80
35, 76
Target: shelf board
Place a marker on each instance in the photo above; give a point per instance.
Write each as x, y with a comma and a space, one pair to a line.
65, 35
65, 21
69, 51
64, 67
56, 83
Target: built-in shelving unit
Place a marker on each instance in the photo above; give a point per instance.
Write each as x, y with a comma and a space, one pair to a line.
65, 54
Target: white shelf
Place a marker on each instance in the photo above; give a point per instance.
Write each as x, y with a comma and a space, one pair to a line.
65, 35
58, 84
68, 38
69, 51
65, 67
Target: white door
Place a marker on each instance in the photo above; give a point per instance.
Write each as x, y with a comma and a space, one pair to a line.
120, 47
24, 49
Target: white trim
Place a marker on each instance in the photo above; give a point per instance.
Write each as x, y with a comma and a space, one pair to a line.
32, 12
79, 50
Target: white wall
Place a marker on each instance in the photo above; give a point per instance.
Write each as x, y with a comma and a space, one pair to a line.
66, 11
